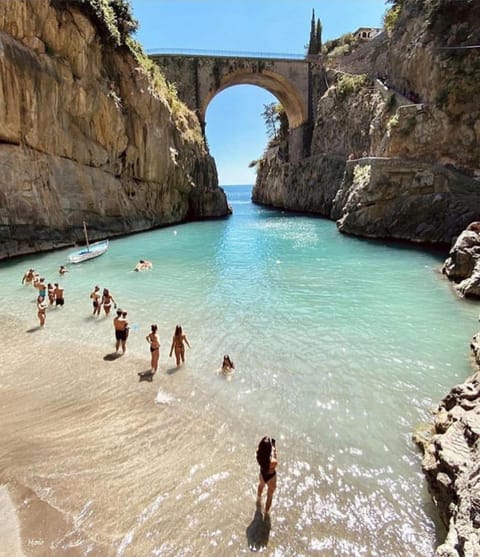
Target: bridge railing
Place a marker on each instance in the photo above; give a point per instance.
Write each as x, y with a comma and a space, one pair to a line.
226, 53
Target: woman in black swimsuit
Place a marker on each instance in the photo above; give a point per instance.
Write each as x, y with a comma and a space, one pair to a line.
154, 342
267, 459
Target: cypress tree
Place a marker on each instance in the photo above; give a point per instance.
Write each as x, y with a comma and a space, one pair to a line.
318, 37
311, 43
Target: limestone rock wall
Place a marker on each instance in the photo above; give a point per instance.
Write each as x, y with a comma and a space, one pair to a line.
404, 200
463, 263
427, 57
451, 464
309, 186
84, 136
424, 156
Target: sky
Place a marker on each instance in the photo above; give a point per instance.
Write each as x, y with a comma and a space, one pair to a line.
235, 130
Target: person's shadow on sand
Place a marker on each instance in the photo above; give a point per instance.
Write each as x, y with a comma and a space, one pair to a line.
258, 531
33, 329
145, 376
111, 357
172, 370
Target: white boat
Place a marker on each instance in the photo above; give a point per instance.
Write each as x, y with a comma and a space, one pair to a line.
89, 251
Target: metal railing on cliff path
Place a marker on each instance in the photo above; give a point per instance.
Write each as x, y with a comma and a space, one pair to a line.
231, 54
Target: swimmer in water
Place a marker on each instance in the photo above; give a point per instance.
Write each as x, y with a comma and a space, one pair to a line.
143, 265
227, 365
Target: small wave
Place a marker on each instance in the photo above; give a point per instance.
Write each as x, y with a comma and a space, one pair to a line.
163, 398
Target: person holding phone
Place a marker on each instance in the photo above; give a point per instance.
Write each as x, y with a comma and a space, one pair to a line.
268, 461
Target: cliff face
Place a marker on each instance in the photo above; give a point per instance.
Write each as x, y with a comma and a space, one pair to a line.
85, 136
420, 136
451, 463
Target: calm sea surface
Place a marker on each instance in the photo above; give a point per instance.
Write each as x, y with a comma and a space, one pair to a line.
342, 346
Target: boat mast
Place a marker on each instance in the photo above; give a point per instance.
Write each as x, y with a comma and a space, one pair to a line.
86, 235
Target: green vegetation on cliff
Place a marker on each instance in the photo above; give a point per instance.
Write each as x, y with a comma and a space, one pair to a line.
349, 84
113, 18
116, 25
341, 46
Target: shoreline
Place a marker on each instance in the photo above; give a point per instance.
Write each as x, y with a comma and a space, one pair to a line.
96, 431
117, 378
33, 523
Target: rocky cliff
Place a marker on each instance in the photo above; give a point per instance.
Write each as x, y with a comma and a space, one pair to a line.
451, 463
414, 134
86, 133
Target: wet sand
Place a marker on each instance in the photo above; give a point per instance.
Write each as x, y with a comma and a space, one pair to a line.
99, 462
9, 526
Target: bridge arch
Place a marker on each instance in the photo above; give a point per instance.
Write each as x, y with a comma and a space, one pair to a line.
198, 78
279, 86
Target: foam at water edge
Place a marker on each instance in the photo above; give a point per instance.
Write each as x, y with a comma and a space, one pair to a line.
163, 398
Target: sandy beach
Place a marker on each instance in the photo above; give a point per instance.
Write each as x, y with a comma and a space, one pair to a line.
102, 463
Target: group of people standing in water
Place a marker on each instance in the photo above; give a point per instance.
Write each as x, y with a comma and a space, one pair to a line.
54, 293
104, 299
179, 341
266, 453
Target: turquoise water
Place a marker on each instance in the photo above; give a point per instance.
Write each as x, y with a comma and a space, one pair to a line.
341, 345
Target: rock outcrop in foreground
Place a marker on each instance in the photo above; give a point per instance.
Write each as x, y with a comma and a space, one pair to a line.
85, 134
451, 464
463, 263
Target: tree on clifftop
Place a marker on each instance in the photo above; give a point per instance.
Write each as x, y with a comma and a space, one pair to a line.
276, 121
315, 42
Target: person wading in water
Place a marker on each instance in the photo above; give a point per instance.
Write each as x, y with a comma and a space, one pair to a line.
268, 461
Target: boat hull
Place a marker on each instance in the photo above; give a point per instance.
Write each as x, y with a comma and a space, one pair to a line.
94, 250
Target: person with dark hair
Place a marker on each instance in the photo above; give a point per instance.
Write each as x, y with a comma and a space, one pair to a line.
178, 340
96, 298
154, 342
107, 300
41, 310
121, 330
42, 287
268, 461
51, 293
143, 265
28, 277
227, 365
59, 295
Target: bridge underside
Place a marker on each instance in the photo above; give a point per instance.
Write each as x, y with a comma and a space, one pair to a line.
199, 79
286, 93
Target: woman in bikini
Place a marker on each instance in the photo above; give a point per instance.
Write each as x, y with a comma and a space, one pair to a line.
42, 310
51, 293
154, 342
107, 300
178, 341
267, 459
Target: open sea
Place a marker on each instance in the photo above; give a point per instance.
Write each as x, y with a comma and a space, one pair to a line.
342, 347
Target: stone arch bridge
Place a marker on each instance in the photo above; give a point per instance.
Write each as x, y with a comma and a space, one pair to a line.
294, 81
